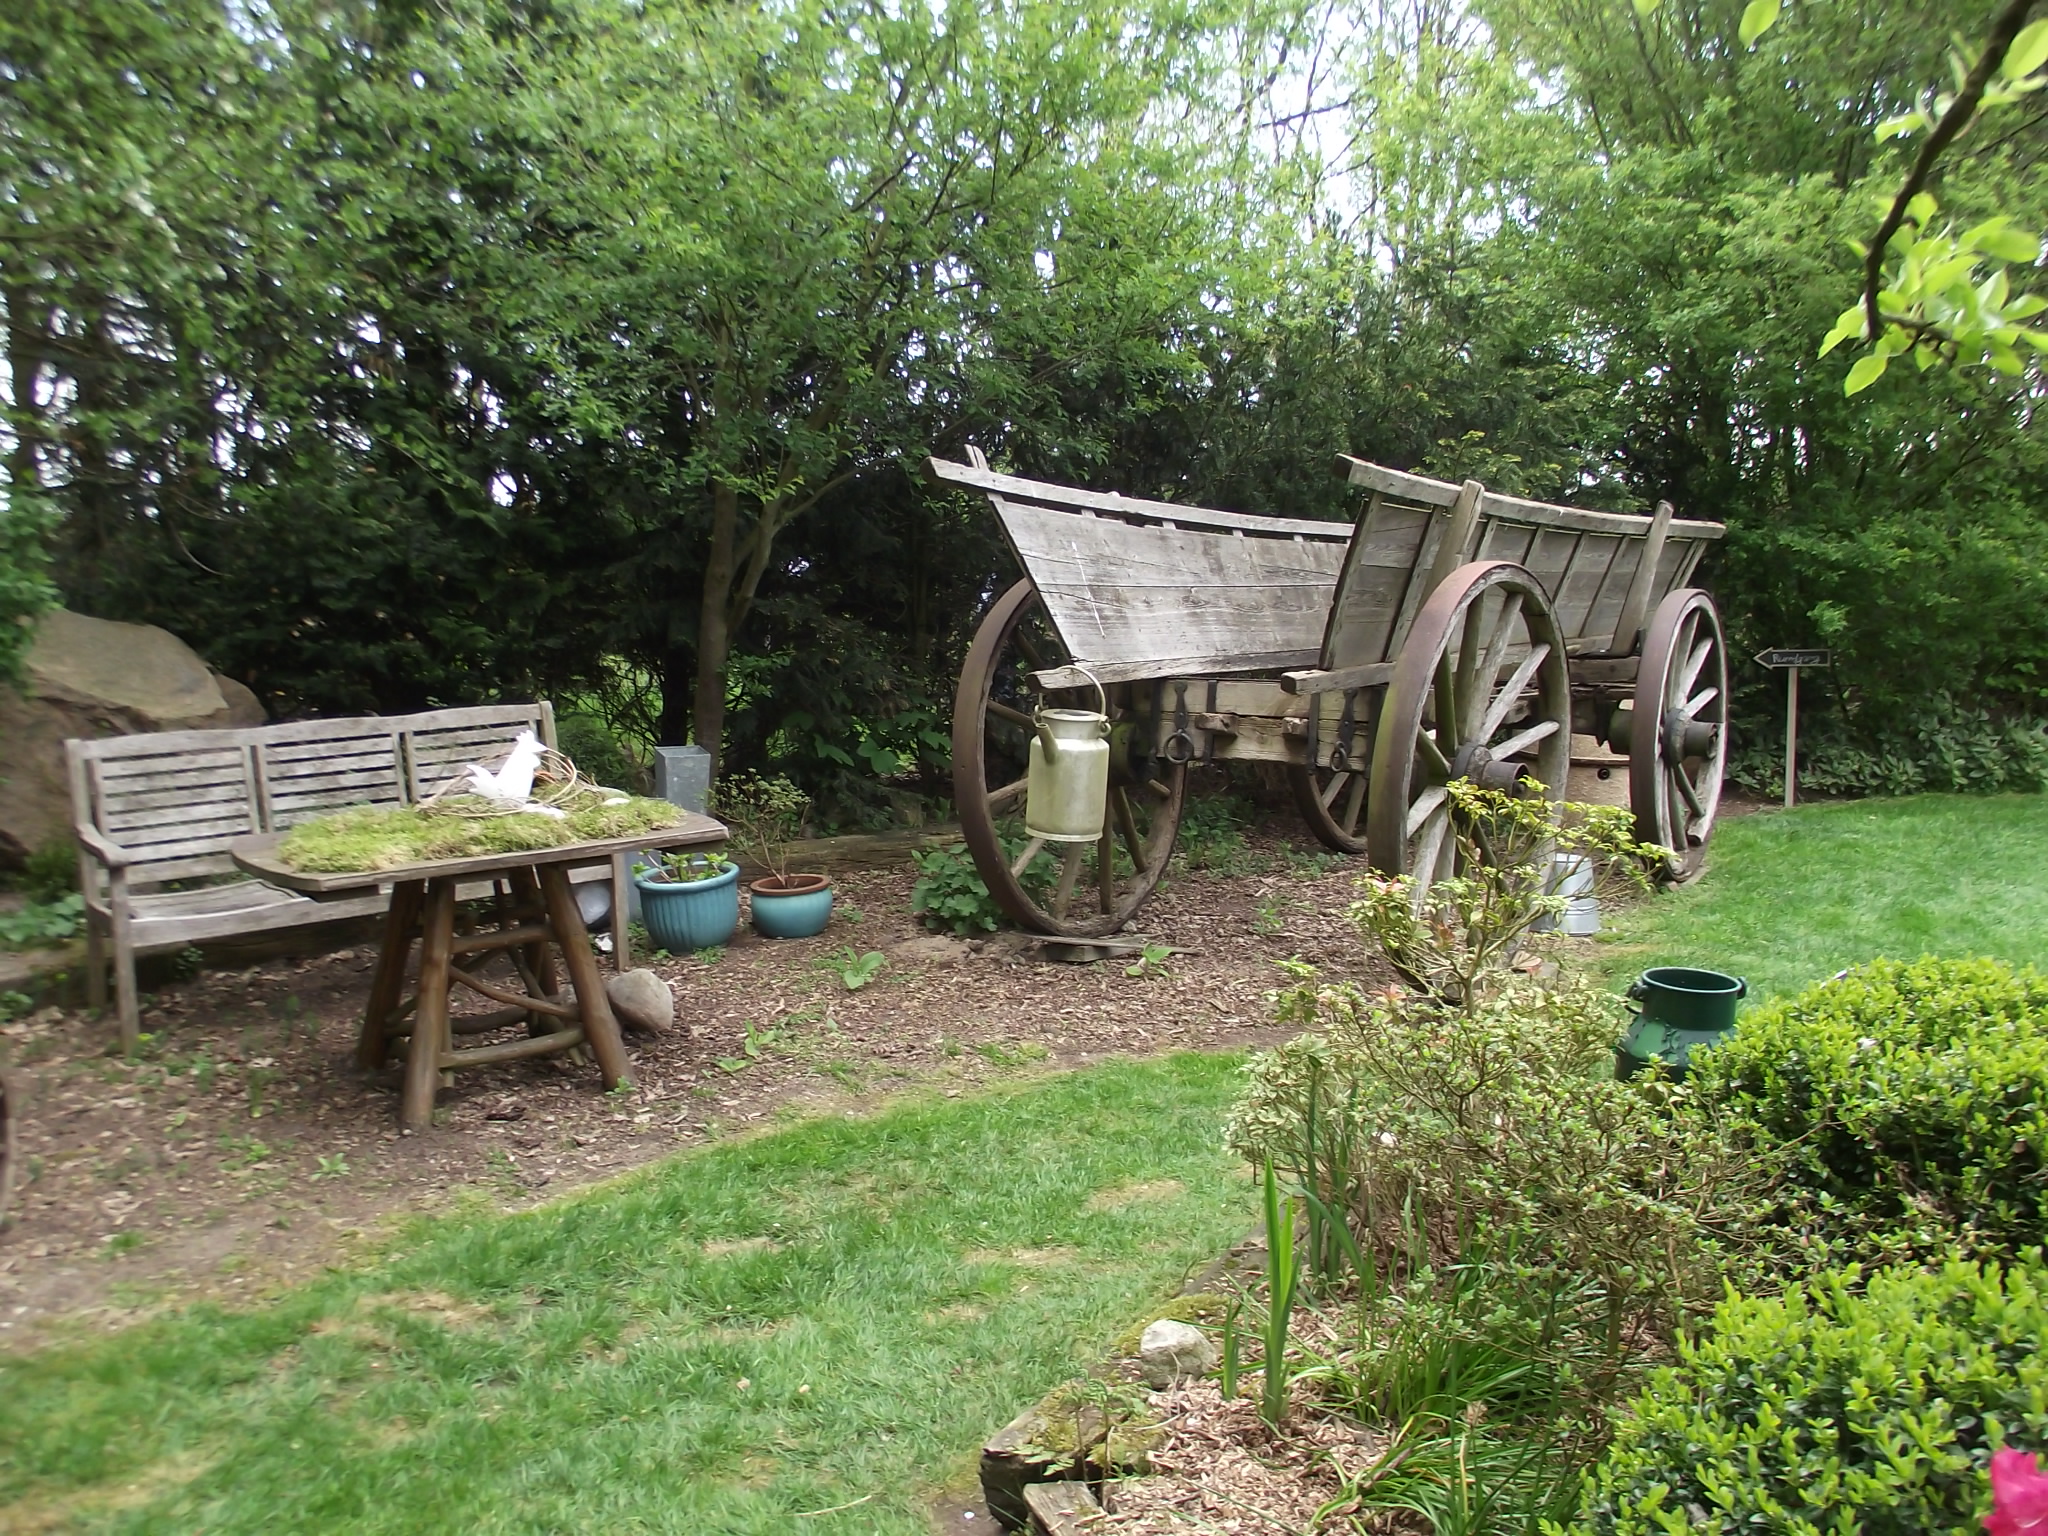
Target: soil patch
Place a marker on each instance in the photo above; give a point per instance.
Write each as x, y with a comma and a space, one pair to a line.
241, 1151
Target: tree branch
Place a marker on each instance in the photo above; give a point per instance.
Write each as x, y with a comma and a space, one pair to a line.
1953, 121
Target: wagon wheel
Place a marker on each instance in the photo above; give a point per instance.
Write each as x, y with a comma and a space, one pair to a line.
1674, 770
1480, 691
1081, 890
1332, 802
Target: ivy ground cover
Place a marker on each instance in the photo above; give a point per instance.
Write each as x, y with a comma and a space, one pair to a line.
1791, 897
824, 1322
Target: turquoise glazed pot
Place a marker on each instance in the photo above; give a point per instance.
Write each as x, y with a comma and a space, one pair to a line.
682, 916
799, 912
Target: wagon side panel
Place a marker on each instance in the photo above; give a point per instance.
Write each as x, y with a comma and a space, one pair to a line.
1153, 600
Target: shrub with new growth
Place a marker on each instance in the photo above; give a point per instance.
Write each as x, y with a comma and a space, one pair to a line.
1440, 1133
1837, 1407
1911, 1101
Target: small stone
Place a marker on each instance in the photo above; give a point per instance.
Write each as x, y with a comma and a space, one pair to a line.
1171, 1352
643, 1001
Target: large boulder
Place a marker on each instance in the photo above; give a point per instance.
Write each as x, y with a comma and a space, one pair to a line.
96, 677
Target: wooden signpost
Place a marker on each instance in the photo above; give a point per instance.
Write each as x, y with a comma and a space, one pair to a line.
1791, 661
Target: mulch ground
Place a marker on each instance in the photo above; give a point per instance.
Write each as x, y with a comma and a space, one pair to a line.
242, 1150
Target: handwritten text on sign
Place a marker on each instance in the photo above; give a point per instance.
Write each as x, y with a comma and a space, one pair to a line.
1808, 658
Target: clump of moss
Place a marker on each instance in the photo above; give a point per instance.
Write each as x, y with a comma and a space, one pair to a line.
366, 838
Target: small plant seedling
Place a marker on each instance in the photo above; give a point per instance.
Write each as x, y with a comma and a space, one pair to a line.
334, 1166
850, 913
123, 1242
247, 1151
1151, 961
710, 954
1271, 921
1006, 1054
854, 969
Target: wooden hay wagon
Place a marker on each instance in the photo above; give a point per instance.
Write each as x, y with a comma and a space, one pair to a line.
1452, 632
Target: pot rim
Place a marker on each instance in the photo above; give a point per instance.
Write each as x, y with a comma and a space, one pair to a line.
800, 885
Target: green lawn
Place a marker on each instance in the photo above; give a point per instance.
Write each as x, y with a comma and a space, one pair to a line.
1789, 898
834, 1312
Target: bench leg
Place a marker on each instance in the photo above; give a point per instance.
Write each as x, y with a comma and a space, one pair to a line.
95, 963
599, 1027
429, 1038
127, 1000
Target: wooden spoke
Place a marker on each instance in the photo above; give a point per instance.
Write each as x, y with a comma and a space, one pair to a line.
1442, 709
1070, 876
1353, 804
1678, 744
1693, 663
989, 786
1522, 741
1426, 805
1511, 695
1479, 726
1007, 793
1335, 786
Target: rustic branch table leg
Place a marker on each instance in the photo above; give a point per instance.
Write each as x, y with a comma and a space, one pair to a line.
388, 987
599, 1027
430, 1018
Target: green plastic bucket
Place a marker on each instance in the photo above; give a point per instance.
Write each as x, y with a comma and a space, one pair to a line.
1682, 1010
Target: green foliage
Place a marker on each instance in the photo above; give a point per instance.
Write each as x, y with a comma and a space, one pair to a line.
1841, 1406
50, 872
1936, 745
1911, 1100
951, 894
854, 969
37, 924
683, 866
1282, 1276
1454, 939
599, 751
1212, 834
764, 814
25, 587
386, 837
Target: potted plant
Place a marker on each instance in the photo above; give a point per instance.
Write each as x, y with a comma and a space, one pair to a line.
689, 901
765, 815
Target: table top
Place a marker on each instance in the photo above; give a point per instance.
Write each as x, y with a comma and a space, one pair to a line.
258, 856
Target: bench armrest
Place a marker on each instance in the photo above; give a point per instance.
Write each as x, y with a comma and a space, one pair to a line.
94, 842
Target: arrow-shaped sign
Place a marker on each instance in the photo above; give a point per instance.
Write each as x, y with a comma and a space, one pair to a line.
1791, 658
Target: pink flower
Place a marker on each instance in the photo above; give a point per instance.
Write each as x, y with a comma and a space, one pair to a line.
2019, 1496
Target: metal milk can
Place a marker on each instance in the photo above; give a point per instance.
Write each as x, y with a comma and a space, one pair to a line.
1066, 790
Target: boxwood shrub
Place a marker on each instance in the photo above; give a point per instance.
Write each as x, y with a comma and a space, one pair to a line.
1909, 1102
1836, 1407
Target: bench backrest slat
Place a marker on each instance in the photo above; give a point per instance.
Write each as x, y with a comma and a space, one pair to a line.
177, 799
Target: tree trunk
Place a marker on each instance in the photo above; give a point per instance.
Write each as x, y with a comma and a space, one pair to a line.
714, 625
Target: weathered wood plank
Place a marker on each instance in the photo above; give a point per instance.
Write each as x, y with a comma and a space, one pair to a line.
1130, 508
1062, 1509
1208, 601
1439, 493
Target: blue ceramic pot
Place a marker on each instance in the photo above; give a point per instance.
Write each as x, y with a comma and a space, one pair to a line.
682, 916
796, 913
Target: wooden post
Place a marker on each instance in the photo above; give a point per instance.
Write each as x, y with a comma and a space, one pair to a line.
600, 1029
1791, 735
430, 1016
387, 989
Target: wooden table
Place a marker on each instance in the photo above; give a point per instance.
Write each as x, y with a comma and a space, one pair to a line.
531, 909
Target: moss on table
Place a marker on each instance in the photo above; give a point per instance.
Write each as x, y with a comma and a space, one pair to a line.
367, 838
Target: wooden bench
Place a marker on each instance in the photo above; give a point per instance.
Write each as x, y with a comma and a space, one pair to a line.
154, 815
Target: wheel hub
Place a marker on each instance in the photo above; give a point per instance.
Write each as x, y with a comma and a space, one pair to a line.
1684, 738
1478, 764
